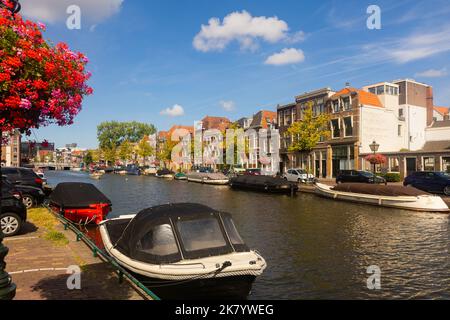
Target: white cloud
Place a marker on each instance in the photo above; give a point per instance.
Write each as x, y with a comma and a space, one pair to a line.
417, 46
286, 56
228, 105
296, 37
241, 27
432, 73
175, 111
51, 11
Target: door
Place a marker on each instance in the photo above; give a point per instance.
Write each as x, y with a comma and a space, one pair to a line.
411, 165
317, 168
324, 168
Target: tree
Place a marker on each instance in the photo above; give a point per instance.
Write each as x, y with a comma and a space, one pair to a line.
144, 149
165, 153
109, 155
88, 158
309, 131
125, 151
113, 133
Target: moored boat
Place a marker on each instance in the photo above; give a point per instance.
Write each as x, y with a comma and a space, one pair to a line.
208, 178
180, 176
184, 251
267, 184
165, 173
133, 170
386, 196
80, 202
96, 175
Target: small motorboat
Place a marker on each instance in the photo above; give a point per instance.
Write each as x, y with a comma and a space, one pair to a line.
208, 178
180, 176
151, 171
399, 197
96, 175
165, 173
267, 184
80, 202
184, 251
133, 170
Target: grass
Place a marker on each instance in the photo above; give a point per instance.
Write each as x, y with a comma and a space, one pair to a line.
44, 219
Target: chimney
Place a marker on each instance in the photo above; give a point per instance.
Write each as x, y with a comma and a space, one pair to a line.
430, 105
347, 84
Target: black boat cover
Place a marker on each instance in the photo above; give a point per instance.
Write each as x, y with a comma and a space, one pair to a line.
199, 231
164, 172
379, 190
77, 195
260, 180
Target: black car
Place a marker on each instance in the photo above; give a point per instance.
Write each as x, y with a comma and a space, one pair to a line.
31, 196
355, 176
14, 212
433, 182
22, 176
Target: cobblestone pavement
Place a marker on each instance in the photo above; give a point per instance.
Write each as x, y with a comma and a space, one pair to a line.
38, 268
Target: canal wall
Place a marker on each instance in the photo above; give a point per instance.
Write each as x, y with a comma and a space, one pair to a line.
39, 259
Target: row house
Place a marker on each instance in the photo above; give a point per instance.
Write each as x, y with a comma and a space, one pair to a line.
262, 139
176, 135
40, 151
11, 149
207, 131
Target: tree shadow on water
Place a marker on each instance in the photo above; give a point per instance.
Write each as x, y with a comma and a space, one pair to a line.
98, 282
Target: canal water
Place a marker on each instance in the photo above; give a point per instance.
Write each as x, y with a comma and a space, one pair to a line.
315, 248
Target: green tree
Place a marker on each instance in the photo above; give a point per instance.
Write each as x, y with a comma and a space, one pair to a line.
88, 158
109, 155
165, 153
308, 132
144, 149
112, 134
125, 151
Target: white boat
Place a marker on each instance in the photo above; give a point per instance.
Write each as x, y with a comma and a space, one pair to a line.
96, 175
77, 169
183, 250
165, 174
208, 178
408, 198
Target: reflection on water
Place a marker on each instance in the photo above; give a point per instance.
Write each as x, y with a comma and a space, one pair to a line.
315, 248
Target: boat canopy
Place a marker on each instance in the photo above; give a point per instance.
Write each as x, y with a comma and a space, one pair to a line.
379, 190
77, 195
175, 232
261, 180
163, 172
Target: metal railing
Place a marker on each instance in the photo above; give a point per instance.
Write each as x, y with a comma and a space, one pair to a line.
97, 252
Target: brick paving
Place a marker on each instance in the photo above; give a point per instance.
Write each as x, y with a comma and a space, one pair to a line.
30, 251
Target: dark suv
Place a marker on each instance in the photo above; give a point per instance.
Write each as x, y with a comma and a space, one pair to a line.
22, 176
13, 213
433, 182
355, 176
31, 196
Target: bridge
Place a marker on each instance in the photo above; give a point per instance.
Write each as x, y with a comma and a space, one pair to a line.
56, 165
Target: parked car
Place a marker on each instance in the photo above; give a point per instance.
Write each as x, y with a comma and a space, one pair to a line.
22, 176
252, 172
355, 176
299, 175
14, 213
31, 196
433, 182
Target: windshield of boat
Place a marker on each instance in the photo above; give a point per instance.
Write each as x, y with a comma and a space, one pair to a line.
158, 241
201, 234
233, 234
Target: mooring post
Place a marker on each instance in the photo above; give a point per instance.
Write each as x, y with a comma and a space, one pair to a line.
7, 288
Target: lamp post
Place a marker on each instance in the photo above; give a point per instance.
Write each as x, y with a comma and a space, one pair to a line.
14, 8
374, 146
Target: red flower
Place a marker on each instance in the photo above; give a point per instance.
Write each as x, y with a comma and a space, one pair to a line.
376, 159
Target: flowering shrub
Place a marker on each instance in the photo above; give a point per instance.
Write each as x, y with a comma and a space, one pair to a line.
39, 83
376, 159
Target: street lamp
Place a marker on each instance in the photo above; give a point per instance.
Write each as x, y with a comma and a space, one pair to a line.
14, 8
374, 146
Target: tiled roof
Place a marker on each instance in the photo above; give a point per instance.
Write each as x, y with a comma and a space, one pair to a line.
162, 134
442, 110
220, 123
364, 97
180, 131
441, 124
263, 118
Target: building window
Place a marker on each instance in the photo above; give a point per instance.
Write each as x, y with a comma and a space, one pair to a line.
335, 128
428, 163
380, 90
400, 113
394, 164
348, 126
373, 90
335, 106
400, 130
446, 164
346, 103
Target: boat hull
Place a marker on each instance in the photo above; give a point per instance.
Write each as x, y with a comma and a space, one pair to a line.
420, 203
223, 288
261, 188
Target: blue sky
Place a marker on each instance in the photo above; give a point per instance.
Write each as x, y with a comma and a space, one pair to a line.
144, 58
